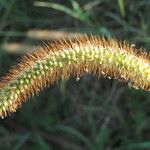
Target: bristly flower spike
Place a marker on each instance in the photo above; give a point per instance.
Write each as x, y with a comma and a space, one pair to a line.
85, 54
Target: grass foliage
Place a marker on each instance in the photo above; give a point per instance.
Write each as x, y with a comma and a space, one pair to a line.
89, 114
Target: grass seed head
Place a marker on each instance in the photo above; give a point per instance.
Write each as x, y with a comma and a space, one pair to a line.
94, 55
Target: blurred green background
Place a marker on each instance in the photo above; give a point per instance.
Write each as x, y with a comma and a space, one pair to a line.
88, 114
